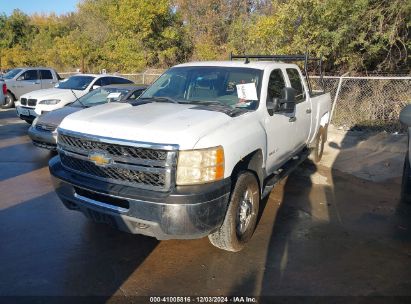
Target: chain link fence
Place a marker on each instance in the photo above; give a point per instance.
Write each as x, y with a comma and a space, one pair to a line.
372, 103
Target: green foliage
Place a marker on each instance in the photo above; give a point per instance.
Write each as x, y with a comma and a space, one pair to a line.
130, 35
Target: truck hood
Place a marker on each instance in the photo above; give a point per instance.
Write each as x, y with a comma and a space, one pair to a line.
54, 93
162, 123
55, 117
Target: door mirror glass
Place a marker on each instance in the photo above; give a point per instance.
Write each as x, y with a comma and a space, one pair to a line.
285, 104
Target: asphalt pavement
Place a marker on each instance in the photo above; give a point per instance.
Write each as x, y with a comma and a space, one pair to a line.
321, 233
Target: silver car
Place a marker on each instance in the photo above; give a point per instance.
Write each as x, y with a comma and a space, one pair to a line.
405, 118
43, 130
20, 81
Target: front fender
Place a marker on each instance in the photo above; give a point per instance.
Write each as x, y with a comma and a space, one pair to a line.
239, 137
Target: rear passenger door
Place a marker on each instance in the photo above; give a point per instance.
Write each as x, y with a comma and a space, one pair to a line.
302, 107
47, 80
27, 82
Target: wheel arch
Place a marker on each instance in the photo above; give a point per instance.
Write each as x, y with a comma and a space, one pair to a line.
252, 162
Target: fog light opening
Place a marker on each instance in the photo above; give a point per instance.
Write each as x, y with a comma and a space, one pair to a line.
141, 225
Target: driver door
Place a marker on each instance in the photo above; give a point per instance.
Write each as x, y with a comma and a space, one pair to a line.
279, 126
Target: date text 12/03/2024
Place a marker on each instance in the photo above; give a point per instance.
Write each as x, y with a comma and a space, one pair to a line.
199, 299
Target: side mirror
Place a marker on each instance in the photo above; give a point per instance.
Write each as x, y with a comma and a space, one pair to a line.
405, 116
94, 87
20, 78
288, 100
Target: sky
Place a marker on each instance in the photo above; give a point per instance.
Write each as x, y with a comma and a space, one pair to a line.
38, 6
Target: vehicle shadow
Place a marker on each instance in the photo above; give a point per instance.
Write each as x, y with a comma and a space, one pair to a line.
333, 233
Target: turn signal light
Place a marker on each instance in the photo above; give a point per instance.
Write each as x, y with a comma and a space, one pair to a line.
4, 89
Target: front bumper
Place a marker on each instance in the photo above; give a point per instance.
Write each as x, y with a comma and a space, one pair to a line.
26, 113
187, 212
43, 139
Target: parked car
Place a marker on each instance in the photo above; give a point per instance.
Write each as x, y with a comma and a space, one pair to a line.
39, 102
405, 118
195, 156
43, 131
3, 92
20, 81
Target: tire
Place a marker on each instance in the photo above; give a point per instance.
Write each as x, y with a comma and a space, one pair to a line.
241, 217
319, 144
9, 101
406, 182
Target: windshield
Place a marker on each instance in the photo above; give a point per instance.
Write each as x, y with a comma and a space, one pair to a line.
11, 74
229, 86
75, 83
101, 95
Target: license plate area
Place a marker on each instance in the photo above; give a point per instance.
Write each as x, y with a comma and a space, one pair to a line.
100, 217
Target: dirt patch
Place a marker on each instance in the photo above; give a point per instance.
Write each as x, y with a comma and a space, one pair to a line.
368, 155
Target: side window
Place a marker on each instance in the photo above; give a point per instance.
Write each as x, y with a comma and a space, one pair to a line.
29, 75
118, 80
275, 85
98, 82
46, 74
296, 84
105, 81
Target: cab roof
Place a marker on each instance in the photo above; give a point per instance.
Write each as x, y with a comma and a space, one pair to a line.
260, 65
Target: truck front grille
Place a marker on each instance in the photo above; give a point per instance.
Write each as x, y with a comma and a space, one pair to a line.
23, 101
128, 164
154, 180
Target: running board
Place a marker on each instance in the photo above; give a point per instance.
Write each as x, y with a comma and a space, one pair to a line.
285, 170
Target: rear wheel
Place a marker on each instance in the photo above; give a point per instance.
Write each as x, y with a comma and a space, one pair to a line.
241, 217
406, 182
319, 144
9, 101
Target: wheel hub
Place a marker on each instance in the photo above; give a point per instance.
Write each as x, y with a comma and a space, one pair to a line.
245, 212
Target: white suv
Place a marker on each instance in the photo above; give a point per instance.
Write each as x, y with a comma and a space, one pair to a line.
38, 102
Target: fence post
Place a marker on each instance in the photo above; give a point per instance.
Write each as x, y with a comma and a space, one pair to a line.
336, 94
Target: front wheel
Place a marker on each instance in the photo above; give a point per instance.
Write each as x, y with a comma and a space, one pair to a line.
9, 101
406, 182
241, 217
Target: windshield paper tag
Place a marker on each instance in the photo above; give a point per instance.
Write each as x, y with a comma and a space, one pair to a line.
247, 91
113, 95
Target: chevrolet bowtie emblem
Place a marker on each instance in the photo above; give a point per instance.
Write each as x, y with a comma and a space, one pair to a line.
99, 159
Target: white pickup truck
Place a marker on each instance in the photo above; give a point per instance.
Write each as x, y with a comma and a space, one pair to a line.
195, 155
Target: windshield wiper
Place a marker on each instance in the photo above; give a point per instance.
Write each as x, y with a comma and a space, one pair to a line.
215, 103
77, 99
161, 99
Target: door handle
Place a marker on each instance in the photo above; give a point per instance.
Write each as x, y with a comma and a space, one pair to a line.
308, 111
292, 119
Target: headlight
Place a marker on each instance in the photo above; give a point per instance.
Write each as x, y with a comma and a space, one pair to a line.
200, 166
50, 101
